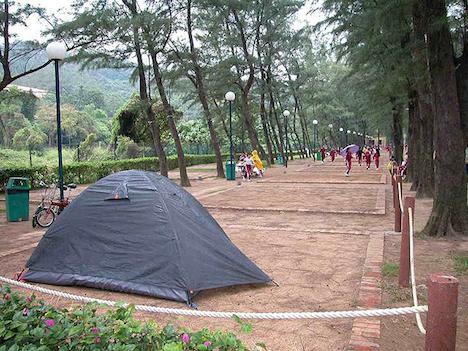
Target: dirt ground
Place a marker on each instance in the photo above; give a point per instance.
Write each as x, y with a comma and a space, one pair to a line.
307, 227
431, 256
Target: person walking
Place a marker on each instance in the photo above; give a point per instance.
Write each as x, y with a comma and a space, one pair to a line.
248, 166
332, 154
359, 156
377, 158
322, 152
348, 158
367, 155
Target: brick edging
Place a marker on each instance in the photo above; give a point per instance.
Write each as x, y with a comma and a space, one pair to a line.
365, 333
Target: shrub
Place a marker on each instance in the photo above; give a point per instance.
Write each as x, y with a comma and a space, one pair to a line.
32, 324
89, 172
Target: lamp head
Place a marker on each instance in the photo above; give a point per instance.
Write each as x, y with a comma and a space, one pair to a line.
56, 50
330, 126
341, 129
230, 96
315, 122
348, 131
286, 113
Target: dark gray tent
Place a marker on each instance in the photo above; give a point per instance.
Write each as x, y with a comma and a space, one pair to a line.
138, 232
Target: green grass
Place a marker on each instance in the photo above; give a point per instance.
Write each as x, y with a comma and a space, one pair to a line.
20, 158
390, 269
460, 262
48, 157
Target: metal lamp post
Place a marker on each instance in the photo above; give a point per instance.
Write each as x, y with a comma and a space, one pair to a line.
347, 133
341, 135
56, 51
230, 96
330, 126
286, 114
315, 122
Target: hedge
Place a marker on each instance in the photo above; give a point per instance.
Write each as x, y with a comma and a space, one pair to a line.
89, 172
30, 324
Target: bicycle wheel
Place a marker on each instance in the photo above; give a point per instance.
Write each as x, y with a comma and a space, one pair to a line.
45, 218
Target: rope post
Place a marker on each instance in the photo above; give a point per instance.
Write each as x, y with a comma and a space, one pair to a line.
405, 244
398, 192
441, 322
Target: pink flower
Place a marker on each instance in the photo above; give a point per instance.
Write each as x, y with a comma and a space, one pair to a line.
97, 340
207, 343
185, 338
95, 330
7, 297
49, 322
29, 299
25, 312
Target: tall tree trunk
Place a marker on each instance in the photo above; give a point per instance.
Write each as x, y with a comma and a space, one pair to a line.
151, 117
425, 164
413, 136
169, 111
462, 77
462, 89
200, 86
249, 124
397, 133
245, 90
275, 120
449, 211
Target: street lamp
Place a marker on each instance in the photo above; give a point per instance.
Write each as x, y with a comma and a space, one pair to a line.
230, 96
315, 122
286, 114
56, 51
347, 132
341, 136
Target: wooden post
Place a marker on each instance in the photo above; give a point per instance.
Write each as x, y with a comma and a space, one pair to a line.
441, 325
403, 278
397, 194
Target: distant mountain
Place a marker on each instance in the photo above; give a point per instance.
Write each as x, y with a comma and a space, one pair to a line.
114, 83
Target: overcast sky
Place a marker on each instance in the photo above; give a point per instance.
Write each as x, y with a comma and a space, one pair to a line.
60, 8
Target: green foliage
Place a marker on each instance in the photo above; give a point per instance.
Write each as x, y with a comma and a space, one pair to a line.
390, 269
86, 148
31, 324
126, 148
460, 263
30, 138
89, 172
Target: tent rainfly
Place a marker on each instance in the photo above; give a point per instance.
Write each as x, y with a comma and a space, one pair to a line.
138, 232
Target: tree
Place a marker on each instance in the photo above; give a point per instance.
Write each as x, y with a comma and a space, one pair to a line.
450, 211
30, 138
16, 15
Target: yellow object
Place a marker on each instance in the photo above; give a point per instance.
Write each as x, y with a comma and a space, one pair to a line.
390, 166
257, 161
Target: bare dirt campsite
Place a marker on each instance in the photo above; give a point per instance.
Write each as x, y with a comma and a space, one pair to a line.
320, 236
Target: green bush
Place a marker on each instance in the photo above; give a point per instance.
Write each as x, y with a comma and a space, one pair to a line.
89, 172
31, 324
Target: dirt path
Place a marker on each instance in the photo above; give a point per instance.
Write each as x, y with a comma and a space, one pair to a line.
306, 226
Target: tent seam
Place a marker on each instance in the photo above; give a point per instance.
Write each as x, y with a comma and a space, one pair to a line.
182, 271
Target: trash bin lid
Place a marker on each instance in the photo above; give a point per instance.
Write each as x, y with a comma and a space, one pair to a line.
18, 183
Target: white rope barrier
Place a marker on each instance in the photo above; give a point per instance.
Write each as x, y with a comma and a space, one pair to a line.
400, 194
243, 315
413, 278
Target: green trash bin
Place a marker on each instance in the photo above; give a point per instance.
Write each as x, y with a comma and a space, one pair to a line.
17, 199
318, 156
230, 170
279, 159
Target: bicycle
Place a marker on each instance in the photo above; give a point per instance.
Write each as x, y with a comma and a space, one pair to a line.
49, 208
